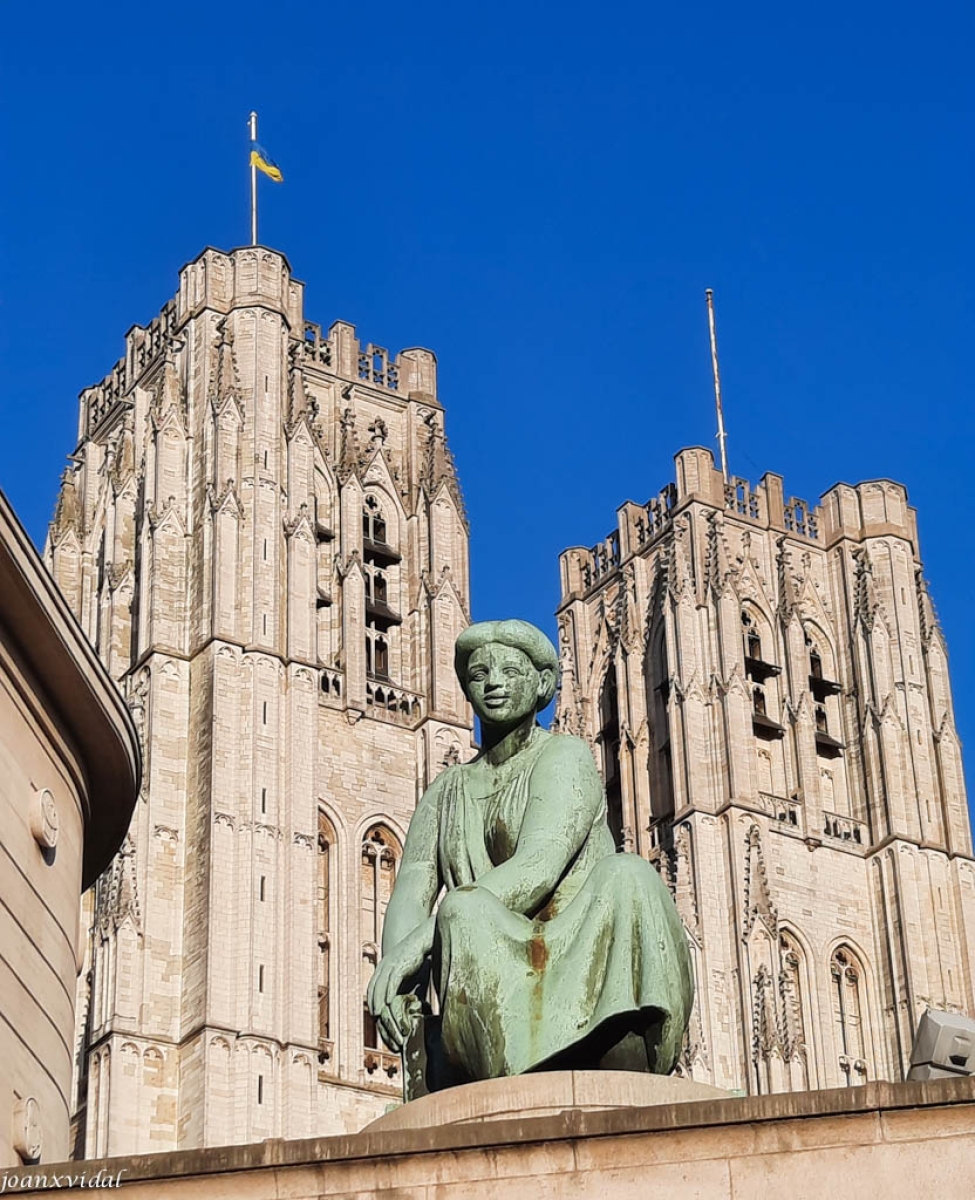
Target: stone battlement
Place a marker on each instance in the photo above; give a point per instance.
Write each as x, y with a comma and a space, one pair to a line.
254, 276
869, 509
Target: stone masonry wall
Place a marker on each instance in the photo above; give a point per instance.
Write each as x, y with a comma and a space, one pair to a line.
263, 535
765, 688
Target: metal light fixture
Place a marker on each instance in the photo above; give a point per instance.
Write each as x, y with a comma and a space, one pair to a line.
944, 1046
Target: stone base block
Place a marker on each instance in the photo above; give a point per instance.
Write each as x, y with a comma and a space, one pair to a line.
541, 1095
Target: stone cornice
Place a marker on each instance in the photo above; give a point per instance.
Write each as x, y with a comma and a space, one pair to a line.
573, 1125
42, 634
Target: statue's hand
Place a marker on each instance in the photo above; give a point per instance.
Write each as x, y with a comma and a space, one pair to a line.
383, 997
398, 1020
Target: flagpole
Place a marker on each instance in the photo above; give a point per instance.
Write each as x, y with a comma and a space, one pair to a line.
722, 436
253, 124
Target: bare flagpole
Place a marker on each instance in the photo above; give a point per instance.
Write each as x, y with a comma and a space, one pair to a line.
722, 435
253, 124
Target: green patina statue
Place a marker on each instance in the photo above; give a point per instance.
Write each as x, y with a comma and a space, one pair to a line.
549, 950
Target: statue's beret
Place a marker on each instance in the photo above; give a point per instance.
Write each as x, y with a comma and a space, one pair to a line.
519, 634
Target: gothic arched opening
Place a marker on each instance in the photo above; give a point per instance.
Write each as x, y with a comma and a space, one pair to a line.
609, 740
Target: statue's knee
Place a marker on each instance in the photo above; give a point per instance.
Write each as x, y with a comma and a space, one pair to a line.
634, 865
457, 907
630, 867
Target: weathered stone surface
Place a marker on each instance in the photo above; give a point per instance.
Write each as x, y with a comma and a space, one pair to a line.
761, 1146
263, 536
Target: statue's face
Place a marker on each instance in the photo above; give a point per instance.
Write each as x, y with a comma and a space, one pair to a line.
503, 684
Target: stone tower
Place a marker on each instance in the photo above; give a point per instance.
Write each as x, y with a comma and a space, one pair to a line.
765, 687
263, 535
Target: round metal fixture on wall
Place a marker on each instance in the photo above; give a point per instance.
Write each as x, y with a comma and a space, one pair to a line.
44, 819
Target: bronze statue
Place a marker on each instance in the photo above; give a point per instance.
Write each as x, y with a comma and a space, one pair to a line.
549, 950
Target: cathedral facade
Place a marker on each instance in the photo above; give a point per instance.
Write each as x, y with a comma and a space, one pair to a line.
262, 533
765, 687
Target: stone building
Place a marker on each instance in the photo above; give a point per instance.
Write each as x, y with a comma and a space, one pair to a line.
765, 686
69, 775
262, 534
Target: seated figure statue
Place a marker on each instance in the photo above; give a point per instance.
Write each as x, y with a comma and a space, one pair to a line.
549, 950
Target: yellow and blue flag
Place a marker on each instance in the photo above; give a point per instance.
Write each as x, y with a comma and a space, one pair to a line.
264, 162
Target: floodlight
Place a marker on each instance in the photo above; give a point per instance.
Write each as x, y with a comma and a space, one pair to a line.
944, 1046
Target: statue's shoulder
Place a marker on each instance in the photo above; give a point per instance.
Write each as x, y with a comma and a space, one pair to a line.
439, 793
446, 777
566, 748
450, 777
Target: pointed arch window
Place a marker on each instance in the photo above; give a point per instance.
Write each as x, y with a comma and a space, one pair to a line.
792, 987
820, 682
380, 617
380, 562
757, 666
377, 653
377, 586
373, 522
609, 740
662, 767
380, 860
760, 675
325, 892
380, 856
823, 691
752, 640
370, 1030
846, 977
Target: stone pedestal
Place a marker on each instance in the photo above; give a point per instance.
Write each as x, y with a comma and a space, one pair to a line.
543, 1094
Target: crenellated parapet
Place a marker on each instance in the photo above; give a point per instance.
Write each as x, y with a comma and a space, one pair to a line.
255, 277
875, 508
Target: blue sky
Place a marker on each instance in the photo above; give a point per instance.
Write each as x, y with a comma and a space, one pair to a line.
541, 194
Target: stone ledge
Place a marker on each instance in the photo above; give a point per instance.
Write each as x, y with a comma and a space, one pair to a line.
569, 1125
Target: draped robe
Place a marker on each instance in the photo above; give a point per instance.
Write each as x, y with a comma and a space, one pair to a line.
604, 957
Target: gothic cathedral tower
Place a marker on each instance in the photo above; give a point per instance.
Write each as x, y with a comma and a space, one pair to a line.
765, 687
263, 535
